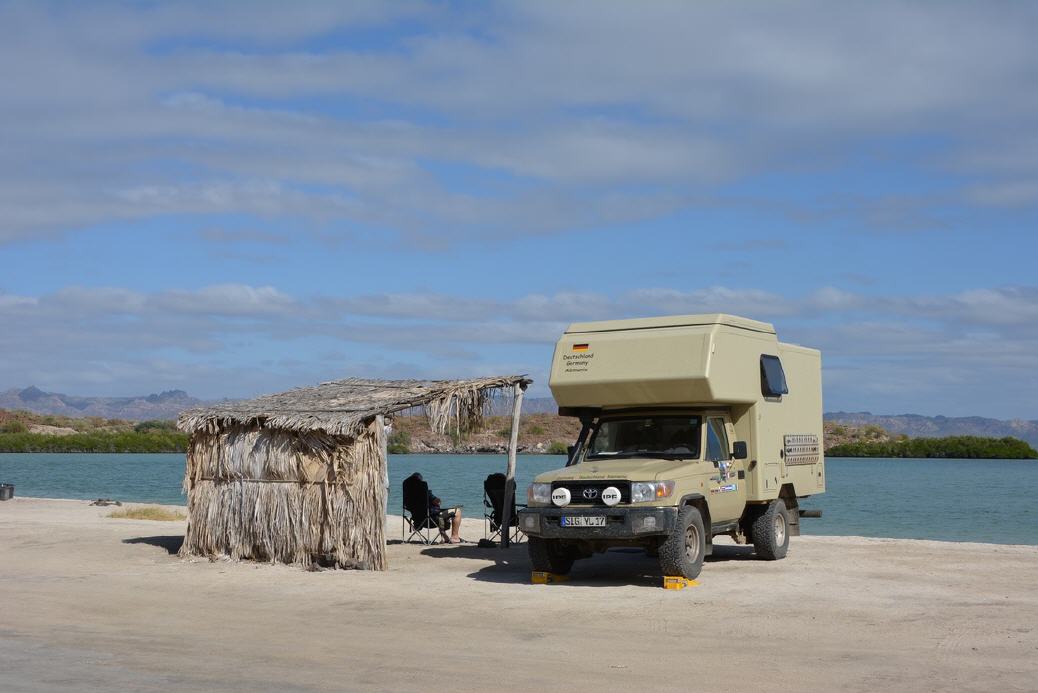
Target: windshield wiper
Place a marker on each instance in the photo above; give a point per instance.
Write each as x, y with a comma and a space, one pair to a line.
640, 453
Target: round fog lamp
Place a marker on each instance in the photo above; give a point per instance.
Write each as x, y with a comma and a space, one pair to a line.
611, 496
560, 497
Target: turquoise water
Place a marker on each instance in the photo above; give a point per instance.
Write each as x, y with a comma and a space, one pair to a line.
953, 500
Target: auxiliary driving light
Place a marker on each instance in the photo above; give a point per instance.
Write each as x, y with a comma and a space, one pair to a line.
560, 497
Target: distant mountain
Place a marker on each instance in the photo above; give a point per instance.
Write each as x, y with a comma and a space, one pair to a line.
167, 405
912, 425
916, 426
502, 405
164, 405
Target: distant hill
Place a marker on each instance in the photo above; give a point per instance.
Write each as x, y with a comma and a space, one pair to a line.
167, 405
164, 405
912, 425
502, 405
916, 426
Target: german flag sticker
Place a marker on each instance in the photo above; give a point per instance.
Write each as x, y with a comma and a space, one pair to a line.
580, 347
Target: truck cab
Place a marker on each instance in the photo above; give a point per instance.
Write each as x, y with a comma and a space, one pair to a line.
692, 426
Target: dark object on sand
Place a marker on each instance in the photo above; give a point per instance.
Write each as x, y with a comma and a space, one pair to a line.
6, 492
418, 513
493, 509
106, 501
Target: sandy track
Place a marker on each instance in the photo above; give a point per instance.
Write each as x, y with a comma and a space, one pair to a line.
90, 603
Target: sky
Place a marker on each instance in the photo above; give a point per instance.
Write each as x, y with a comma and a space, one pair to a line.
237, 198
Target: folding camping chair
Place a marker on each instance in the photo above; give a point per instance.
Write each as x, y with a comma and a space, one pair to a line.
493, 509
417, 513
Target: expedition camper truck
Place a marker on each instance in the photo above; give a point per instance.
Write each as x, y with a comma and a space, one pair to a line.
692, 426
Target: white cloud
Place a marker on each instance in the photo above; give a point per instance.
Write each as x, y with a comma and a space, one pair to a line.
1011, 193
586, 113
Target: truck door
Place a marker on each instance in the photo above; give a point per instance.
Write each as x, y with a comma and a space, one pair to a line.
727, 490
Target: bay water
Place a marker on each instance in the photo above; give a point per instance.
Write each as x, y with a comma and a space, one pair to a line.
951, 500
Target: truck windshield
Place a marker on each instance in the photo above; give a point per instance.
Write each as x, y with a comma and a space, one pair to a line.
667, 436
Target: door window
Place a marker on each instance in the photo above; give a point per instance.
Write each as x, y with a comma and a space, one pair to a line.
716, 440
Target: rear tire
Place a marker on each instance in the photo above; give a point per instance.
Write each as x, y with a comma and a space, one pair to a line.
549, 556
682, 552
770, 531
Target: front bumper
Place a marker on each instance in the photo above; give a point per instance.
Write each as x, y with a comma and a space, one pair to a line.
621, 523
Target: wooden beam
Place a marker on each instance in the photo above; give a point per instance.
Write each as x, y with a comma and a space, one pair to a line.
380, 423
513, 445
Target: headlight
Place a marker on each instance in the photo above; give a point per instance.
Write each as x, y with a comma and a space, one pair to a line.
539, 493
642, 491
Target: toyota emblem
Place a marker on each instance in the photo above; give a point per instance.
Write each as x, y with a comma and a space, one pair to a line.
590, 493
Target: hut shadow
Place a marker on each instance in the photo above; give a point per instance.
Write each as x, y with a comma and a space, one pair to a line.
616, 568
171, 543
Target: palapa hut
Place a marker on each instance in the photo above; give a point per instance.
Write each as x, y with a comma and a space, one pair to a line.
299, 477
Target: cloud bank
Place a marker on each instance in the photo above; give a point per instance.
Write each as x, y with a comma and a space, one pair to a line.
554, 115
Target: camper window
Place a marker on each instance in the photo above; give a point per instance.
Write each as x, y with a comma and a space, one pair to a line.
772, 377
667, 436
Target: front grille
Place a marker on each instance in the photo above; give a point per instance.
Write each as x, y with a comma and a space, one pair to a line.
577, 491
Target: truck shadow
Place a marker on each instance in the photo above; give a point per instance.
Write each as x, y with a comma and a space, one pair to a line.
615, 568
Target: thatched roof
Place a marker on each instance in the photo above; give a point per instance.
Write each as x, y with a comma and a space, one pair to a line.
341, 407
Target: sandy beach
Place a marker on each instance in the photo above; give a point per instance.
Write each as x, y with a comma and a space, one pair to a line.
91, 603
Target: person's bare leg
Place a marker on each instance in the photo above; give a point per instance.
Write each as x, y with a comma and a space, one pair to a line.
456, 526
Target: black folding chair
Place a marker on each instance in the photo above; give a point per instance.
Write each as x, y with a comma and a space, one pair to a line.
493, 509
417, 513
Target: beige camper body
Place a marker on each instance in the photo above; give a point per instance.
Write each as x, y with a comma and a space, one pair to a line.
753, 403
702, 361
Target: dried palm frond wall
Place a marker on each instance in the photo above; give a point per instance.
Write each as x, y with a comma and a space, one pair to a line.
286, 496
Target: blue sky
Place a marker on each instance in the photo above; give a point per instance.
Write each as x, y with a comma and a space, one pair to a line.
236, 198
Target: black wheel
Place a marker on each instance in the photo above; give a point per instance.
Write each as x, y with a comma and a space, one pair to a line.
682, 553
770, 531
549, 556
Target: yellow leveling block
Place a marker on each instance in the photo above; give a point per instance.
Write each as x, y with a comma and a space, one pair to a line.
540, 577
673, 582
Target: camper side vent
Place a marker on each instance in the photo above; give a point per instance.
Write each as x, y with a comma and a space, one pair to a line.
801, 448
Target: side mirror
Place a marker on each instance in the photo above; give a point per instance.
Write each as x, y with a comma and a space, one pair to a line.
739, 450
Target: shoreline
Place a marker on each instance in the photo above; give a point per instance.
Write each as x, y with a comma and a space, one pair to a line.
478, 519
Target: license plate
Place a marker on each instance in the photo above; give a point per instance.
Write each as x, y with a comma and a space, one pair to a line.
583, 521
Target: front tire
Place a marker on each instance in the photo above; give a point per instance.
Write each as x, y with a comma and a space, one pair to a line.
682, 552
549, 556
770, 531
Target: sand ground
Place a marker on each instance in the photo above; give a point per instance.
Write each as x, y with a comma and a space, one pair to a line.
89, 603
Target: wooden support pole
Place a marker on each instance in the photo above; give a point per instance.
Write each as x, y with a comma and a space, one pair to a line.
380, 423
513, 445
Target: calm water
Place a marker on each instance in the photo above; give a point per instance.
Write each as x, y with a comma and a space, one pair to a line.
955, 500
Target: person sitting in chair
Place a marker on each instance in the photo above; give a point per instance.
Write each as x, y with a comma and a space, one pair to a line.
442, 516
